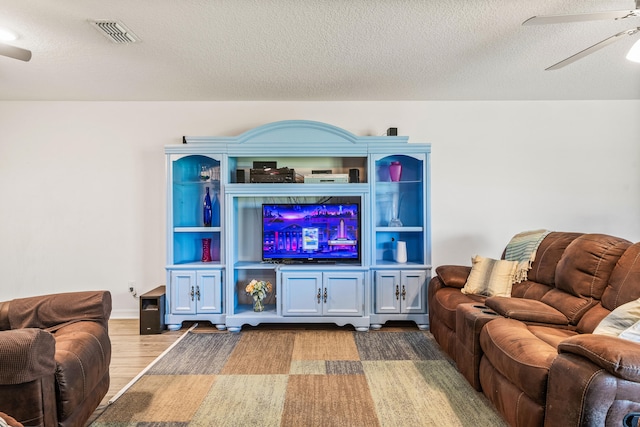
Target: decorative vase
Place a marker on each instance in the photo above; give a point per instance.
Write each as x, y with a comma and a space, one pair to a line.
205, 173
395, 171
215, 210
395, 210
206, 210
206, 250
401, 252
258, 305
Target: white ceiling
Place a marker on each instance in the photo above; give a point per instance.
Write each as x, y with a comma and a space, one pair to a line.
198, 50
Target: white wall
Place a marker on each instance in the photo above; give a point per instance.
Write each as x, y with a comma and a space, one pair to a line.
82, 183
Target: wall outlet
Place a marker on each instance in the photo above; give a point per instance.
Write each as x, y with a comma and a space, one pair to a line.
132, 288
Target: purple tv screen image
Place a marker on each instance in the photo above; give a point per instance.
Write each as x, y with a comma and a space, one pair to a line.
318, 232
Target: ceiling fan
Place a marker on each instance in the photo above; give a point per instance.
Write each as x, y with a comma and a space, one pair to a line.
613, 14
15, 52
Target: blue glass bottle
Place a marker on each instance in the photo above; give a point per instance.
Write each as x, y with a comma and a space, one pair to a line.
206, 210
215, 210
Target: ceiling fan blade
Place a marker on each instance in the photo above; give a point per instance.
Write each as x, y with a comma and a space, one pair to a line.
580, 17
15, 52
593, 48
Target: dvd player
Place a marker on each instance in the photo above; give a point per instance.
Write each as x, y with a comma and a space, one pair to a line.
326, 178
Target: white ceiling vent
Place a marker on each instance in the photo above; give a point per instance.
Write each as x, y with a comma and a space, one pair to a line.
115, 31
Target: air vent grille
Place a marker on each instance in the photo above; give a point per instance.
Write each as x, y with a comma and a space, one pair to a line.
115, 31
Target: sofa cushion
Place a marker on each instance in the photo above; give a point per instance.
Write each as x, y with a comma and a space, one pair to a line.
592, 319
587, 263
526, 310
571, 306
490, 277
543, 268
583, 273
513, 349
529, 290
621, 289
623, 282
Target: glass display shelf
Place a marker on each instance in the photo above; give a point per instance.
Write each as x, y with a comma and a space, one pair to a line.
398, 183
197, 229
386, 229
210, 182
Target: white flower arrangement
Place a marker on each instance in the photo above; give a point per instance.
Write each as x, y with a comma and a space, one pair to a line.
258, 289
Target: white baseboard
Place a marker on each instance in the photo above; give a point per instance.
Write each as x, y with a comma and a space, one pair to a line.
125, 314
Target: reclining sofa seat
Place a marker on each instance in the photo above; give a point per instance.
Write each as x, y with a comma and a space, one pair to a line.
444, 294
537, 361
55, 353
520, 348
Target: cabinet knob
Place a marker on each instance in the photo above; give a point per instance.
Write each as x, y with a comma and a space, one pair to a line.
397, 292
319, 295
404, 293
191, 293
325, 295
198, 292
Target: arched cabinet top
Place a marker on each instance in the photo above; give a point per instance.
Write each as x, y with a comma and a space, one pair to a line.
293, 136
296, 131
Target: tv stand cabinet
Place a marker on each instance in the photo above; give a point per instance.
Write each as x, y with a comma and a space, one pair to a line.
210, 286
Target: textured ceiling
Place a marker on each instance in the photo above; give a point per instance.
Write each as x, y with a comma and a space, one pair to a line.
201, 50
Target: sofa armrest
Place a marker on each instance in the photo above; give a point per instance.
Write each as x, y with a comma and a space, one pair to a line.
617, 356
581, 393
526, 310
26, 355
48, 311
453, 276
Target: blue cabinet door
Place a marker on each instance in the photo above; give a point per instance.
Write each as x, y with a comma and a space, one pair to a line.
302, 293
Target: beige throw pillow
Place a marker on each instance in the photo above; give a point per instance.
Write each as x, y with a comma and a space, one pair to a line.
623, 318
490, 277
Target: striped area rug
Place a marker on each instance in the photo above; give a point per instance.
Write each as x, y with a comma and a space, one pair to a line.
301, 378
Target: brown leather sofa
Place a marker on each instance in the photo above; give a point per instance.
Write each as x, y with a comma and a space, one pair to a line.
54, 357
533, 354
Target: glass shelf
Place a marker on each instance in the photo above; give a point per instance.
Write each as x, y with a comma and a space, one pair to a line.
390, 183
197, 229
399, 229
215, 184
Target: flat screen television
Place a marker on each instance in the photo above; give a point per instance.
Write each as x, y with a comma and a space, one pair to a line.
311, 233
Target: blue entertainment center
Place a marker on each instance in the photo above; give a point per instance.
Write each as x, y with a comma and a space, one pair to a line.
339, 224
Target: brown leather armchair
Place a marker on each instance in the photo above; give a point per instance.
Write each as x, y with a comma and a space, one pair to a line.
55, 353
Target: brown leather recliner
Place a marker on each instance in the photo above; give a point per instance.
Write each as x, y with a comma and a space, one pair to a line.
55, 353
533, 355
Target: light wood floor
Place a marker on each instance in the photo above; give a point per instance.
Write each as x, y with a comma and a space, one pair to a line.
131, 353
